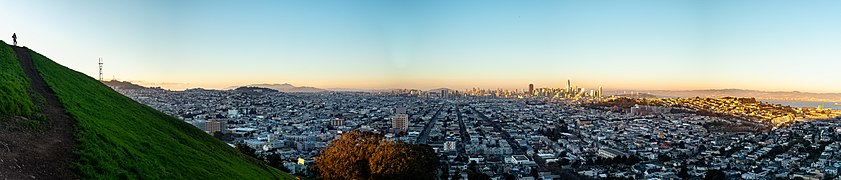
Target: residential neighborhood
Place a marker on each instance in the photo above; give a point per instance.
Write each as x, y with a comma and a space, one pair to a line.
525, 138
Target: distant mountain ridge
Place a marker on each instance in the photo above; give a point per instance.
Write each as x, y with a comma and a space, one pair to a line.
441, 89
285, 87
713, 93
255, 90
122, 85
637, 95
763, 95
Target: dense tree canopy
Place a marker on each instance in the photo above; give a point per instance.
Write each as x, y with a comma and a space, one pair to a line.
244, 149
366, 155
715, 174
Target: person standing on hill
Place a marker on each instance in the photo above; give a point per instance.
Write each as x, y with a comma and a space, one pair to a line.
15, 38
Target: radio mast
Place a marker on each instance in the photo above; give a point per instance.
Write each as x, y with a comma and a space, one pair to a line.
100, 69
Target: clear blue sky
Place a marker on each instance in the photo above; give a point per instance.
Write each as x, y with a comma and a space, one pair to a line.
662, 44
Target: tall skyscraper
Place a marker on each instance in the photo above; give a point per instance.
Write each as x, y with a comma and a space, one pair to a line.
531, 89
599, 93
569, 88
569, 84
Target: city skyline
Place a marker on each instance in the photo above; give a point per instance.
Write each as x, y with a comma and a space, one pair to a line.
640, 45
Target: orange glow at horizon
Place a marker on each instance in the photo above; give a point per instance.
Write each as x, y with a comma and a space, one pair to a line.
425, 83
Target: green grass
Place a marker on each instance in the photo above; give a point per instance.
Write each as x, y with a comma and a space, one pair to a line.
122, 139
14, 86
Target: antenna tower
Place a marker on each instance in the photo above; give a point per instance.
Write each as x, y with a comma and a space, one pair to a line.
100, 69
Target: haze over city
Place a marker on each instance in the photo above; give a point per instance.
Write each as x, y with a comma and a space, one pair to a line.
675, 45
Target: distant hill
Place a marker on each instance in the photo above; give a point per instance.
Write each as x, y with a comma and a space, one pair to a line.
351, 90
122, 85
82, 129
763, 95
441, 89
249, 89
637, 95
285, 87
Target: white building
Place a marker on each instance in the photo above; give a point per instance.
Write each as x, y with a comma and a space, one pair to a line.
336, 122
518, 159
606, 152
450, 146
233, 113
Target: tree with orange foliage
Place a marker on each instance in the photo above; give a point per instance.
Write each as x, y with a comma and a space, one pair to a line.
366, 155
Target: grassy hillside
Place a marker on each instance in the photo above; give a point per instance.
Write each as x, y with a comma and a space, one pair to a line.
122, 139
14, 87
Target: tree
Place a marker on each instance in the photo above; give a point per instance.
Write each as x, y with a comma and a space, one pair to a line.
553, 167
457, 175
244, 149
684, 173
599, 161
365, 155
663, 157
222, 136
619, 160
473, 172
276, 161
461, 158
634, 159
714, 174
445, 172
534, 173
507, 176
540, 161
563, 162
701, 162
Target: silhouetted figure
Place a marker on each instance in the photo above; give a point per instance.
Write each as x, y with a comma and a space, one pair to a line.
15, 38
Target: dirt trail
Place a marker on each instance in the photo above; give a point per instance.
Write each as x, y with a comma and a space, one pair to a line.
43, 154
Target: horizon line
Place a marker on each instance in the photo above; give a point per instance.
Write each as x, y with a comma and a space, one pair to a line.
153, 84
